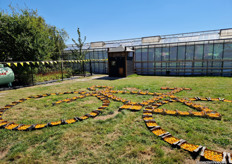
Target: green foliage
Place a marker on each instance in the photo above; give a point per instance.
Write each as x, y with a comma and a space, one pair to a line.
79, 53
25, 36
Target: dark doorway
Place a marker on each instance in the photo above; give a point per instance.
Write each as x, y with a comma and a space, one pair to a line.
117, 65
120, 62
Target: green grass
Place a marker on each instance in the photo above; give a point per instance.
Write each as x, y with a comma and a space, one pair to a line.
51, 76
121, 138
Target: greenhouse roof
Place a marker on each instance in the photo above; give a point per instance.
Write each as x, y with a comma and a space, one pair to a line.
162, 39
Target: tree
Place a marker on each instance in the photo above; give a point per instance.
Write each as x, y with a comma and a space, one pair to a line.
77, 51
58, 36
25, 36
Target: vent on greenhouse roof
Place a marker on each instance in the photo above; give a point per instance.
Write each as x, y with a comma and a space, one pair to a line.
227, 33
97, 44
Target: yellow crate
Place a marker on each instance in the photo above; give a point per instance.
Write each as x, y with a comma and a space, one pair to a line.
11, 126
93, 114
151, 124
136, 107
189, 147
213, 155
171, 139
159, 132
84, 117
24, 127
3, 123
171, 112
148, 118
55, 123
39, 126
70, 121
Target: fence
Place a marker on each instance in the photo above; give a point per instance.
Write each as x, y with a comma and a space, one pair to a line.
32, 72
97, 60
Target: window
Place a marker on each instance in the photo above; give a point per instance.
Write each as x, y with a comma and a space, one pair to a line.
227, 51
173, 53
144, 54
181, 53
217, 53
138, 68
198, 52
157, 54
165, 54
189, 52
208, 51
138, 54
151, 57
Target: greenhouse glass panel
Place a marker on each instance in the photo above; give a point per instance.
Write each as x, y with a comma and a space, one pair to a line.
227, 64
151, 57
138, 68
138, 54
172, 68
217, 65
157, 54
216, 69
164, 68
218, 50
158, 68
96, 67
100, 55
173, 53
144, 54
208, 51
189, 52
144, 68
106, 67
151, 54
227, 68
105, 55
165, 54
205, 65
90, 55
188, 65
181, 53
100, 67
144, 59
95, 55
196, 70
227, 51
181, 68
151, 68
158, 65
87, 55
198, 52
198, 64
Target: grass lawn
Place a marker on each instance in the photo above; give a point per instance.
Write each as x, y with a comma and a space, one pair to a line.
113, 137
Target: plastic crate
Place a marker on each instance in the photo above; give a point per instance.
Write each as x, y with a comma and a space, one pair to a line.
213, 155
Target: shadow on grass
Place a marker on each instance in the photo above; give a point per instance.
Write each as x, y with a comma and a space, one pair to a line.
109, 78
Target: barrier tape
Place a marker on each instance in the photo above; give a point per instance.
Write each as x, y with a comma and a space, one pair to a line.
32, 63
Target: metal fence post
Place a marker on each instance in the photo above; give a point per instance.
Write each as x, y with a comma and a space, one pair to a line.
32, 78
83, 68
62, 70
90, 65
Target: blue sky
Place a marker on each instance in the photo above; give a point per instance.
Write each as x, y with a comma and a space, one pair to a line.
102, 20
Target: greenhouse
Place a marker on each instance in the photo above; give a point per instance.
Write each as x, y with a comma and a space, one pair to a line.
205, 53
